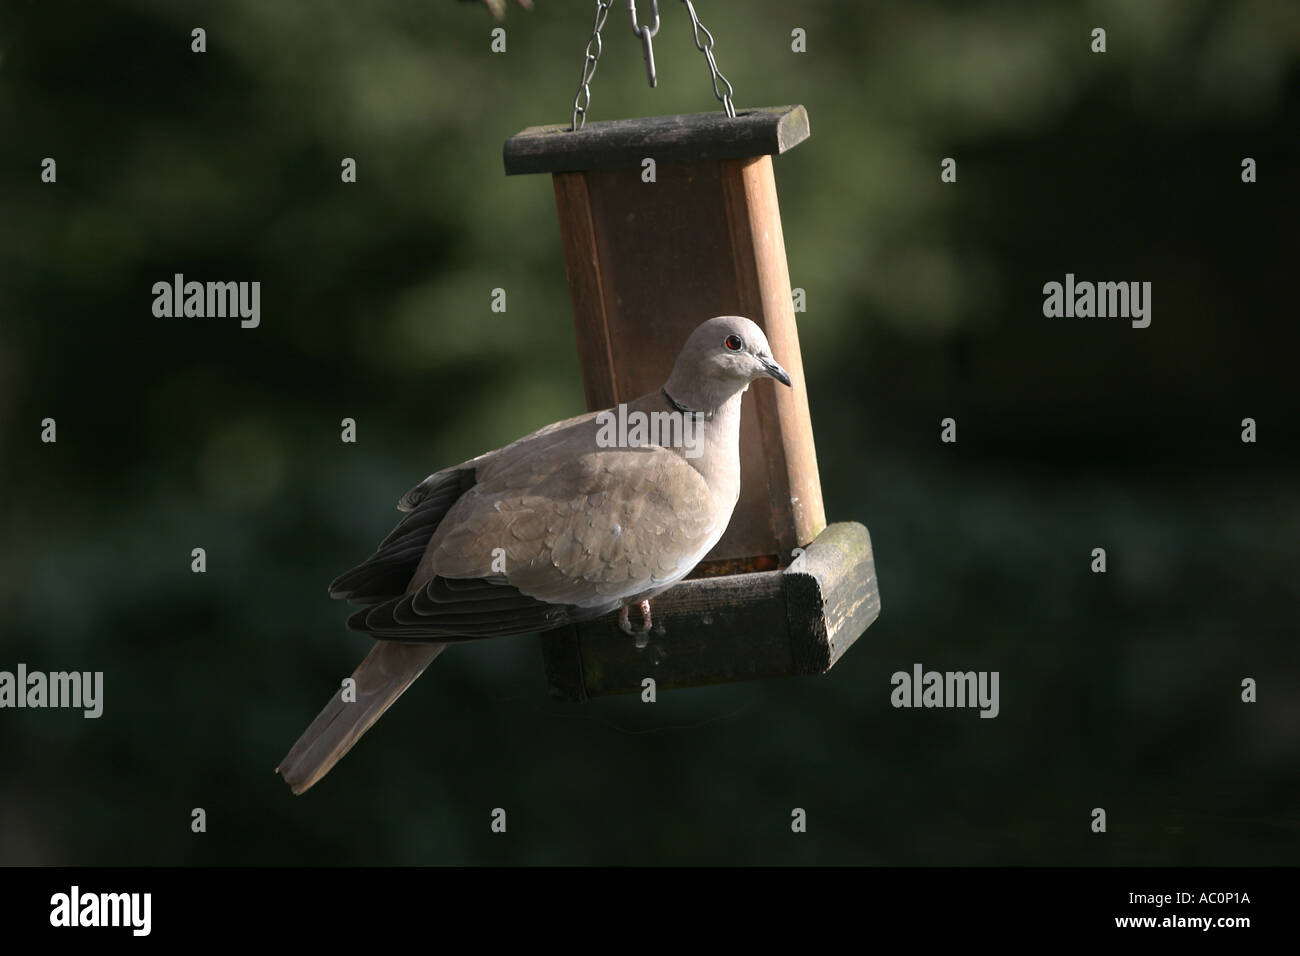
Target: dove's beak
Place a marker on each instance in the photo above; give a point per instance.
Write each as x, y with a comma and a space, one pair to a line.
774, 370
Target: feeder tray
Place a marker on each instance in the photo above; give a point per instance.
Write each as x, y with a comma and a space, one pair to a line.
648, 259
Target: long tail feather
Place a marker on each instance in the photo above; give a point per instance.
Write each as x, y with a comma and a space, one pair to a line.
381, 678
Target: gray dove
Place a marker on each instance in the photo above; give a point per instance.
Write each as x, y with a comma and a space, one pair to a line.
558, 527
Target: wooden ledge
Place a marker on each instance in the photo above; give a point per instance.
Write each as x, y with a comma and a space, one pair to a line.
687, 138
735, 627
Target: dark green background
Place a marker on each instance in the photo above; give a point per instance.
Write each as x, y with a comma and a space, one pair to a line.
924, 301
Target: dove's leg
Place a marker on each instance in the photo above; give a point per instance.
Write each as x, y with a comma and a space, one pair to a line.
625, 623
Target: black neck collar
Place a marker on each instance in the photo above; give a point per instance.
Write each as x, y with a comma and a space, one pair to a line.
685, 409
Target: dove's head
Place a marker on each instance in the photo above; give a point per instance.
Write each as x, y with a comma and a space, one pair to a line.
720, 359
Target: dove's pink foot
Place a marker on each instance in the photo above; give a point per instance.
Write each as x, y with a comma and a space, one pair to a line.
625, 624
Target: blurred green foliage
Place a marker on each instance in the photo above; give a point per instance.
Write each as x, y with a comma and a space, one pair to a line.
1118, 690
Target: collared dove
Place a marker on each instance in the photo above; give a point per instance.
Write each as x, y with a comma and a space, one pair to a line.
560, 526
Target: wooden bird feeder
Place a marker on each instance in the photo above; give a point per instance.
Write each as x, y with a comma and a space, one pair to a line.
782, 593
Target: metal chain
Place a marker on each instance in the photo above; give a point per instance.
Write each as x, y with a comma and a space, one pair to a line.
705, 46
583, 98
646, 34
703, 42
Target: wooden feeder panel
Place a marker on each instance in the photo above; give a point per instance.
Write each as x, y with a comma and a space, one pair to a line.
649, 261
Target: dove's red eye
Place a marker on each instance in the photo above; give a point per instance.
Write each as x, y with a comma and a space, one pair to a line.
734, 342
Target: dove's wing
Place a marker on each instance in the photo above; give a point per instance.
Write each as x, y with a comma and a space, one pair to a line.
551, 537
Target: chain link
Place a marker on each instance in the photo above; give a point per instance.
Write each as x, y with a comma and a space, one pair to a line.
705, 46
703, 42
646, 33
583, 98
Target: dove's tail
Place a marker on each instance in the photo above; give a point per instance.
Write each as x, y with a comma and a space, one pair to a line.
380, 679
